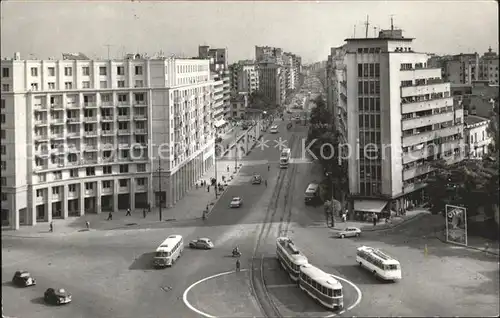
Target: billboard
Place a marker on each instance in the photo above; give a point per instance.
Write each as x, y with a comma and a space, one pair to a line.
456, 224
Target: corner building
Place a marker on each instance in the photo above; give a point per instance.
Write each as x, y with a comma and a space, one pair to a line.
397, 103
84, 136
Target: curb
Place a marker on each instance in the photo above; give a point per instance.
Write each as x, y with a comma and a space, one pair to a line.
391, 227
437, 236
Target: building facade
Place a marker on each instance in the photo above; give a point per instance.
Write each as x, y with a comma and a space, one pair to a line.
239, 105
400, 115
244, 77
336, 90
272, 83
88, 136
477, 137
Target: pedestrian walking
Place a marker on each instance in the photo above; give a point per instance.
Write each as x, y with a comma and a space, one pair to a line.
227, 168
87, 224
51, 226
268, 168
208, 188
149, 207
128, 213
265, 182
238, 265
374, 220
144, 213
110, 216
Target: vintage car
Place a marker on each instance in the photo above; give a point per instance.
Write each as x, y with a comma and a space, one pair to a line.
56, 296
23, 279
236, 202
202, 244
256, 179
349, 232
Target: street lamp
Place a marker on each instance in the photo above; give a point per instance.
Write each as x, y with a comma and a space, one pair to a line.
159, 187
215, 163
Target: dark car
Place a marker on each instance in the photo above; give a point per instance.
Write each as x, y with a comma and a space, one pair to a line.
256, 179
57, 296
201, 243
23, 279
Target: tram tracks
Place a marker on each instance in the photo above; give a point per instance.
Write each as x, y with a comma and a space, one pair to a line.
257, 279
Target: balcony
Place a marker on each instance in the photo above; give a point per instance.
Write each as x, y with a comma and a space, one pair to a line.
89, 192
90, 104
93, 133
56, 136
72, 106
417, 171
421, 121
73, 135
73, 120
123, 132
416, 139
107, 118
140, 117
124, 146
123, 104
41, 151
39, 123
123, 118
142, 103
107, 105
56, 107
425, 89
108, 132
414, 107
105, 191
90, 148
56, 121
90, 119
73, 194
108, 146
125, 189
40, 108
141, 131
40, 199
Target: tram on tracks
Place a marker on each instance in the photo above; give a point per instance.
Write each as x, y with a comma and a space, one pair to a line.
290, 257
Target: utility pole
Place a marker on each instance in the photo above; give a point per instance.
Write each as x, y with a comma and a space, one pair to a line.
108, 46
235, 152
367, 24
215, 164
159, 187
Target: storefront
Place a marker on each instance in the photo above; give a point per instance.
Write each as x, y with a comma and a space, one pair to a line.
365, 209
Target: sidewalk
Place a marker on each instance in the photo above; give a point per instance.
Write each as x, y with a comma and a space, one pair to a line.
474, 243
190, 207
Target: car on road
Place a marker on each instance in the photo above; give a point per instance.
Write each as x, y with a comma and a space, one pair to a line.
274, 129
236, 202
349, 232
201, 244
256, 179
57, 296
288, 111
23, 279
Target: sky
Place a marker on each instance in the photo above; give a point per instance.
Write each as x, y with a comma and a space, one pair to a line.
43, 29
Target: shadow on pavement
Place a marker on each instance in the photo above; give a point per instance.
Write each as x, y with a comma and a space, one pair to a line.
39, 301
484, 288
358, 275
143, 262
9, 283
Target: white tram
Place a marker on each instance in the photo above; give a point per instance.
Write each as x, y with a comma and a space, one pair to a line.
290, 257
321, 286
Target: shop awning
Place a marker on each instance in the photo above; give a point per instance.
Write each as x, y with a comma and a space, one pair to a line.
219, 123
371, 206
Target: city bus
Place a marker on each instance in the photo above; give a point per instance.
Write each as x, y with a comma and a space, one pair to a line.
285, 157
289, 257
169, 251
321, 286
379, 263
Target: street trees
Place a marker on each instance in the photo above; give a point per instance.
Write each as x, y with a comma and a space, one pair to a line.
259, 101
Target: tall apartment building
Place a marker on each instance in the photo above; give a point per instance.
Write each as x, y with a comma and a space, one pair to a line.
220, 72
263, 53
272, 83
244, 77
336, 93
87, 136
290, 71
399, 104
488, 67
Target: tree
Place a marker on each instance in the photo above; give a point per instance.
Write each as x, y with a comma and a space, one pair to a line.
258, 100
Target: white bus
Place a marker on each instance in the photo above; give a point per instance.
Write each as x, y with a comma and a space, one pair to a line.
169, 251
321, 286
290, 257
379, 263
285, 157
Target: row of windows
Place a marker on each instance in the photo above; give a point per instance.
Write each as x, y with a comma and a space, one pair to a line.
320, 288
68, 71
291, 265
368, 87
369, 50
90, 186
369, 70
90, 171
371, 121
424, 97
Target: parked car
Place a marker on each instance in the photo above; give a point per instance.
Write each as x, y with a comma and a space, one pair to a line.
202, 244
57, 296
274, 129
349, 232
236, 202
256, 179
23, 279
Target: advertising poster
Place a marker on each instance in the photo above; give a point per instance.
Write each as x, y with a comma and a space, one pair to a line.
456, 224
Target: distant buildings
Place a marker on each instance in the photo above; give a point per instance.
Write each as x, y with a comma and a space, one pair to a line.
477, 137
244, 77
385, 95
466, 68
239, 105
478, 99
88, 136
220, 73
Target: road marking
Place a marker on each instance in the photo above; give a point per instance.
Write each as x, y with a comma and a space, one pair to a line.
281, 286
188, 304
355, 303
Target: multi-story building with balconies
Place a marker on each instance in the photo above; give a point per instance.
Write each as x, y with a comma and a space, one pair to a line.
477, 137
87, 136
400, 116
244, 77
272, 81
488, 67
336, 91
